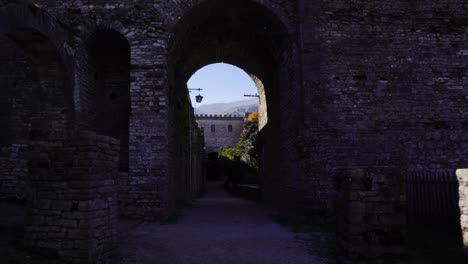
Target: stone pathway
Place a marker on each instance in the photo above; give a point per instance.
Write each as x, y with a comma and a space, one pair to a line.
219, 229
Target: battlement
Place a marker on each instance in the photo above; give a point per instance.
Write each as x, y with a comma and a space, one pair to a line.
220, 117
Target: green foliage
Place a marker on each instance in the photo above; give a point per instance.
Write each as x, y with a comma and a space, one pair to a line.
229, 153
248, 141
241, 162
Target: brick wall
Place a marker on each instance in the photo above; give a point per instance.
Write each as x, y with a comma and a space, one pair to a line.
372, 221
382, 84
14, 182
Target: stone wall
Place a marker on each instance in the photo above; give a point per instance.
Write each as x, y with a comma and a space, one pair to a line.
372, 223
382, 84
220, 130
14, 182
22, 117
198, 161
74, 205
188, 155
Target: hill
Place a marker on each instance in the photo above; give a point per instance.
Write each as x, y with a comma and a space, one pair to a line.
233, 108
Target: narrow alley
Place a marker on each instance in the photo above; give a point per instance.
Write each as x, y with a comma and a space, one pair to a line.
220, 229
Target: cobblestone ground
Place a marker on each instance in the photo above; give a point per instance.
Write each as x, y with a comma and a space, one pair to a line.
220, 229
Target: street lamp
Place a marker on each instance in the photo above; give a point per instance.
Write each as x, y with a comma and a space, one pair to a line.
198, 98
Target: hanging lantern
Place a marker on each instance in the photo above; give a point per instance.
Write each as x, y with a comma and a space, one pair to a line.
198, 98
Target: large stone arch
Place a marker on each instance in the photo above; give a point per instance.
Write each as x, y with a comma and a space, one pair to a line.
255, 37
284, 12
32, 16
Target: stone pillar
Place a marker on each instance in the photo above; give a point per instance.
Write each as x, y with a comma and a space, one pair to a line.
462, 176
74, 205
372, 223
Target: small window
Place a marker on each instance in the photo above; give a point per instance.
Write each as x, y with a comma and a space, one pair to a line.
213, 129
230, 128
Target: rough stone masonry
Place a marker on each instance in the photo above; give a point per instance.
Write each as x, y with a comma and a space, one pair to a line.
95, 112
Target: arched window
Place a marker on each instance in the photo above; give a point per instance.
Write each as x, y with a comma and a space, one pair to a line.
230, 128
213, 129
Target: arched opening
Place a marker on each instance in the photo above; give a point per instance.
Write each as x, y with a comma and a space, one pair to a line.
231, 114
250, 36
34, 108
227, 83
109, 70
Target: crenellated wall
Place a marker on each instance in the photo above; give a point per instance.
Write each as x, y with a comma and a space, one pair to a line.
220, 130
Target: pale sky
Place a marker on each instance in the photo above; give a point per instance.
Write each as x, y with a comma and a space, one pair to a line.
221, 83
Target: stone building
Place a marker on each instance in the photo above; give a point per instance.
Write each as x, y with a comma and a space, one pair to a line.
362, 97
220, 130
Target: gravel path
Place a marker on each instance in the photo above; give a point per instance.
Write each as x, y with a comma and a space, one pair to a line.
218, 229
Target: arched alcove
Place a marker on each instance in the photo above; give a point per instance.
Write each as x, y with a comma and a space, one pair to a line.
109, 72
35, 83
33, 91
251, 37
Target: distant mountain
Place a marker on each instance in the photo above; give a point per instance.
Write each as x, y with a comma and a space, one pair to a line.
233, 108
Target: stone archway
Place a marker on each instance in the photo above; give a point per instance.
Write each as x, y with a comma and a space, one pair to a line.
249, 35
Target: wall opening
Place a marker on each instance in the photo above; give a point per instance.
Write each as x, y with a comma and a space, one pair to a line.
231, 96
227, 83
109, 56
242, 33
